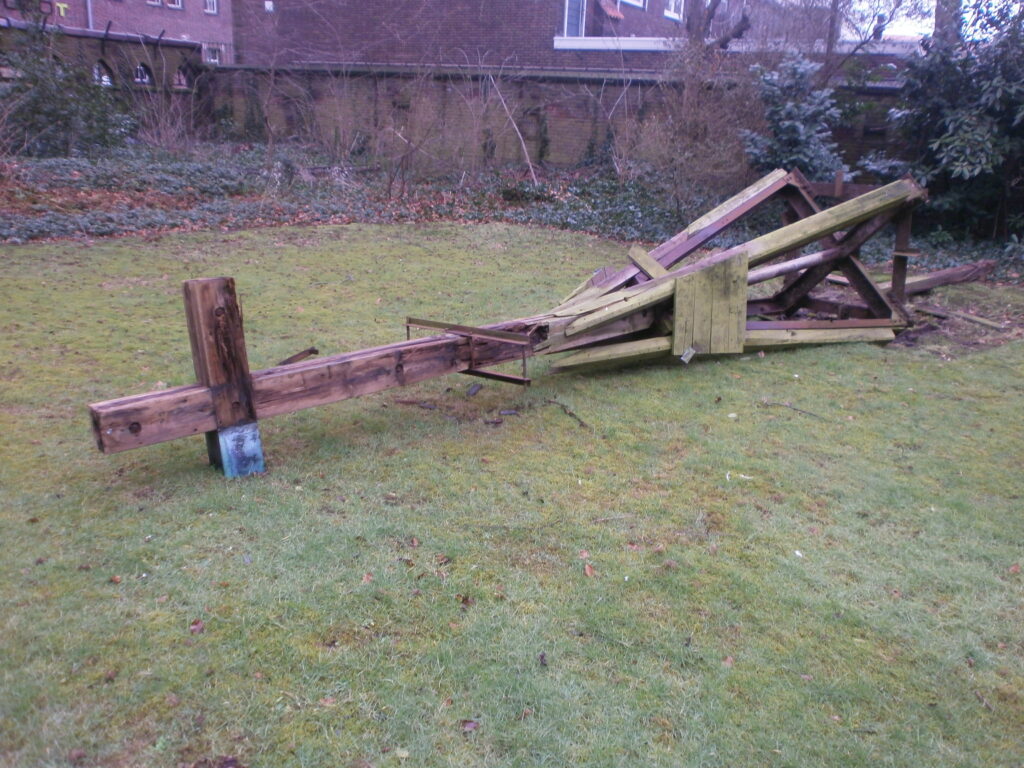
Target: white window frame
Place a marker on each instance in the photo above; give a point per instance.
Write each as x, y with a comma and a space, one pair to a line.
178, 5
211, 7
583, 20
674, 14
213, 53
637, 3
153, 2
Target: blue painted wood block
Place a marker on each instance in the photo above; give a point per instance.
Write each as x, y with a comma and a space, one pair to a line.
239, 450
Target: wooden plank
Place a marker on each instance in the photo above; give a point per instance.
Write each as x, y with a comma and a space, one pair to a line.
946, 313
219, 357
783, 325
703, 287
645, 263
792, 337
557, 341
734, 317
685, 299
624, 303
618, 353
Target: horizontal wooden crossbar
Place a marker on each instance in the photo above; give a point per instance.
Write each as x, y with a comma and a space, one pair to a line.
154, 417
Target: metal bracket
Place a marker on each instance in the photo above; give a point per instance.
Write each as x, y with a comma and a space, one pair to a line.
475, 334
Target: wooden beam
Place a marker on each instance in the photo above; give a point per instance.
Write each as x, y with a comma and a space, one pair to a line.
818, 225
696, 235
132, 422
866, 288
618, 353
218, 354
807, 325
645, 263
792, 337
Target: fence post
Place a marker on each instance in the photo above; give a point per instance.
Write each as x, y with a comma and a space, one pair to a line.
218, 354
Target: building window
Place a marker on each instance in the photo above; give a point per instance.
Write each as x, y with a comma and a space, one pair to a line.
637, 3
674, 9
182, 81
209, 6
152, 2
142, 75
575, 17
102, 75
212, 54
179, 4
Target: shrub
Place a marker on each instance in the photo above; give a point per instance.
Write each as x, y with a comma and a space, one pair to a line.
53, 108
798, 118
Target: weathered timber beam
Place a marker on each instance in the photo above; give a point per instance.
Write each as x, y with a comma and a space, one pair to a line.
695, 236
643, 261
221, 364
557, 341
629, 351
797, 290
808, 325
818, 225
791, 337
155, 417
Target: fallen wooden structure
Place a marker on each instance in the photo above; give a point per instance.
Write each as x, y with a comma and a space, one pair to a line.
675, 302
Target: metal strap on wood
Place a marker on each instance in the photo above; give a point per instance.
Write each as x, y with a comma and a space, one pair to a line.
474, 335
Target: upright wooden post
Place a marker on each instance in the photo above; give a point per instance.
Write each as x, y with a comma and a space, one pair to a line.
218, 354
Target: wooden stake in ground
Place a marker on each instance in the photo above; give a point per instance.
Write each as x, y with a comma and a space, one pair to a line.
219, 357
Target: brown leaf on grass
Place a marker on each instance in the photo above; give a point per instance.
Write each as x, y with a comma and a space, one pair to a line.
110, 675
589, 570
441, 559
584, 554
328, 701
524, 714
414, 542
197, 627
367, 577
728, 661
1015, 568
670, 565
465, 600
633, 546
115, 579
76, 755
543, 659
447, 702
468, 726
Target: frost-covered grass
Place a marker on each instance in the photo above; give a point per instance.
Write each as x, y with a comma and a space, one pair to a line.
837, 586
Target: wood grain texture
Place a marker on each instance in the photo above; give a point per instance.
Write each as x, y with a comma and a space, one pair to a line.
757, 339
218, 348
618, 353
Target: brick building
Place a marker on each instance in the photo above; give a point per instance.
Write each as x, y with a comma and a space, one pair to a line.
207, 23
562, 35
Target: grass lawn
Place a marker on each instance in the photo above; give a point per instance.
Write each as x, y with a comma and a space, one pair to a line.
408, 585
